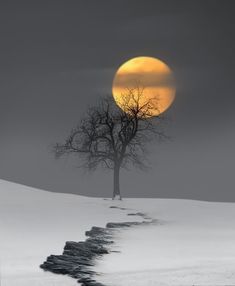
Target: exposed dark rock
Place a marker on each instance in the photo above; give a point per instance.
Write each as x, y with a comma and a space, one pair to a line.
89, 282
115, 207
99, 233
100, 241
78, 258
122, 224
137, 214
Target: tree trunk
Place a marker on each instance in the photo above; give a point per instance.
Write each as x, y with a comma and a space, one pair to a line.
116, 185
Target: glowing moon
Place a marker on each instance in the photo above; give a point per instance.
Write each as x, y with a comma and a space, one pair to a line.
153, 76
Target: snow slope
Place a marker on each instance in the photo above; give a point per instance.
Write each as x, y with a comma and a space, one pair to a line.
35, 224
194, 243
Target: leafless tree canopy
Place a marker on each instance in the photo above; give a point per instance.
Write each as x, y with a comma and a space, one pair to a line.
113, 137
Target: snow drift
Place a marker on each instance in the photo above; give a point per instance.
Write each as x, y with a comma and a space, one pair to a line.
193, 245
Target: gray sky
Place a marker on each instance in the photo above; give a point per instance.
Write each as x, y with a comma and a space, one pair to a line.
57, 57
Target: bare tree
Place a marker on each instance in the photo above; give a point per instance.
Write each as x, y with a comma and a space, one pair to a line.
113, 137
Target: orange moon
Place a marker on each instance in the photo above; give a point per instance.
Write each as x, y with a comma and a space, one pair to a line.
149, 74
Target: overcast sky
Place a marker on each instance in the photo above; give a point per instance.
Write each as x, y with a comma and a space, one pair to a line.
58, 57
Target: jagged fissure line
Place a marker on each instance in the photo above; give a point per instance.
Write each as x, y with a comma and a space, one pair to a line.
78, 258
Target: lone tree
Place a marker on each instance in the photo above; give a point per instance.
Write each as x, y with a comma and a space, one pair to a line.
114, 138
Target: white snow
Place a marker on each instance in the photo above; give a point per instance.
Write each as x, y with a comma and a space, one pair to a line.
35, 224
193, 244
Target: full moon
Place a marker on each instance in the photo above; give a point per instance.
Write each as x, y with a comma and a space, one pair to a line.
149, 75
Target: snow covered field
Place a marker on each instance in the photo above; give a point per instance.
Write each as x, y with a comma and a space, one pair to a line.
194, 243
35, 224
